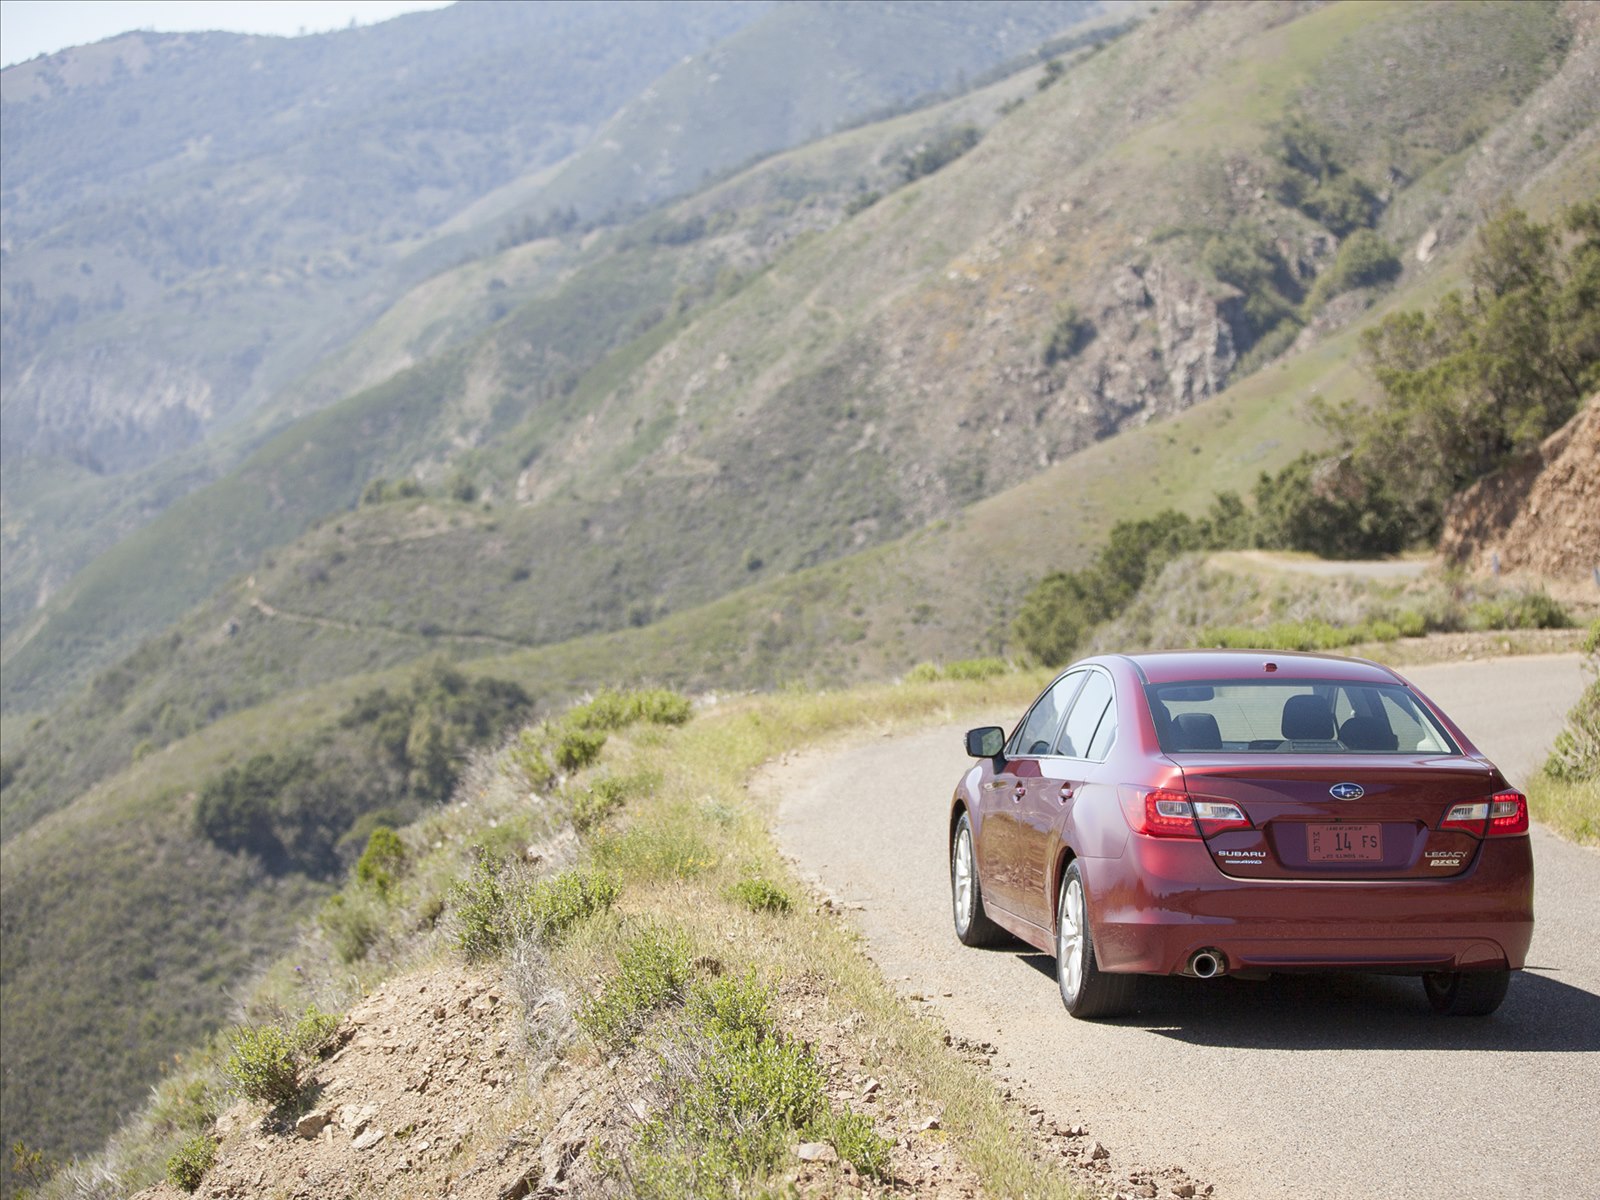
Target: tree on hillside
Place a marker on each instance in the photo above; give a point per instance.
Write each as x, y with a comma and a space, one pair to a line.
1491, 372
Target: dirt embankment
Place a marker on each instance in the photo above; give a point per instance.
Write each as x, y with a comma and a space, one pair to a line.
1540, 516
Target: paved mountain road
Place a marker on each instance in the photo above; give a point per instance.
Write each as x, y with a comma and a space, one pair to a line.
1336, 1087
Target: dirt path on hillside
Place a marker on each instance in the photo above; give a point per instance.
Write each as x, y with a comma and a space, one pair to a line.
1334, 1087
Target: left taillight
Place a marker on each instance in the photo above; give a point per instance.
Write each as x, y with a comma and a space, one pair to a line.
1173, 814
1504, 814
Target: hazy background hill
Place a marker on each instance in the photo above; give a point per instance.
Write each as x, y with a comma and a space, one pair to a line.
803, 423
193, 221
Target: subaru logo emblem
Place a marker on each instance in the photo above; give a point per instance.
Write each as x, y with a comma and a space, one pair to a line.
1347, 791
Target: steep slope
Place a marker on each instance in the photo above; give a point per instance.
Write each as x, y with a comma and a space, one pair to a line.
195, 259
582, 296
1541, 515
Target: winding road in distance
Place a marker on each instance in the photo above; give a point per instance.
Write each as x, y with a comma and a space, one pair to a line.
1342, 1087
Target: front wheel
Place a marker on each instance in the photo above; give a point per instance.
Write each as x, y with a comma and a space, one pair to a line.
1466, 993
973, 925
1086, 990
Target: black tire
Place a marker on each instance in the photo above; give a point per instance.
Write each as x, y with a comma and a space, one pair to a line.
1086, 990
973, 926
1466, 993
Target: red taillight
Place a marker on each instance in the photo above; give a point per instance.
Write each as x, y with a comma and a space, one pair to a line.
1508, 814
1504, 813
1166, 813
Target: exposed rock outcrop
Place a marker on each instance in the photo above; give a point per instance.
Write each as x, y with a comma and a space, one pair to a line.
1541, 514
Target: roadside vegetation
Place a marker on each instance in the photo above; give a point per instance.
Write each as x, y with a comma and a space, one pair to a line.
1565, 794
688, 961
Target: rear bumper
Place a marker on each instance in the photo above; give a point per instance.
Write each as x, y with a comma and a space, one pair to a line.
1161, 901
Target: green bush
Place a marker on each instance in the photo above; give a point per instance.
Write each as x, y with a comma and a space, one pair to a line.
528, 756
976, 668
263, 1065
187, 1168
1364, 260
1575, 756
578, 748
924, 673
493, 910
1535, 610
653, 970
314, 1032
740, 1095
382, 860
606, 795
760, 895
611, 710
930, 156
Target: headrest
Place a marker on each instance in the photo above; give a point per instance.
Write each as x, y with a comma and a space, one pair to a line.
1307, 719
1197, 731
1368, 733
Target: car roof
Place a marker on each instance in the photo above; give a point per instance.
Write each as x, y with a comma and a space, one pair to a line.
1185, 666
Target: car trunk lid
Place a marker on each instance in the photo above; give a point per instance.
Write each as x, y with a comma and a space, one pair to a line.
1367, 817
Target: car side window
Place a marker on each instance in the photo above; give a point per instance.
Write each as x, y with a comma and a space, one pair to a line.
1038, 729
1084, 719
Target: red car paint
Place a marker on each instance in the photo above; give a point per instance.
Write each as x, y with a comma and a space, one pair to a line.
1391, 891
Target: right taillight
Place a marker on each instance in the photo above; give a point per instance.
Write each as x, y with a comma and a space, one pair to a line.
1505, 814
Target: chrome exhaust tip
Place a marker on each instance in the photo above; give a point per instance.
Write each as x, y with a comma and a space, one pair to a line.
1208, 964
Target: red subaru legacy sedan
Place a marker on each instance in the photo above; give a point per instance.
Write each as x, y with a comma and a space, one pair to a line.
1212, 812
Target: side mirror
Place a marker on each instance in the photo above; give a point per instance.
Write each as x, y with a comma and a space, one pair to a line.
987, 742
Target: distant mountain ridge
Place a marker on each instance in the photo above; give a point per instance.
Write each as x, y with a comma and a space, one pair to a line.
256, 202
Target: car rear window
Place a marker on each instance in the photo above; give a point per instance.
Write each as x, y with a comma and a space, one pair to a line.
1288, 716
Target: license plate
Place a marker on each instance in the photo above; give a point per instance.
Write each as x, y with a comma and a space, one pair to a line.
1344, 843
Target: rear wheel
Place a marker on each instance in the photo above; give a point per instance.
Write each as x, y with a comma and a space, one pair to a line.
1086, 990
1466, 993
973, 925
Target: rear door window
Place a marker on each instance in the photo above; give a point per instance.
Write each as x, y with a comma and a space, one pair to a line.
1087, 710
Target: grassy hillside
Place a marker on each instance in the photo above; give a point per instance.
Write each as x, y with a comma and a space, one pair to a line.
513, 392
186, 265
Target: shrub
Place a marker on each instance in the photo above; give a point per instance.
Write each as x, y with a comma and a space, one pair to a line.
930, 156
262, 1065
976, 668
738, 1094
314, 1031
1364, 260
1070, 334
351, 924
381, 860
611, 710
652, 971
188, 1166
1534, 610
924, 673
578, 748
493, 910
527, 755
1575, 755
759, 895
607, 794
